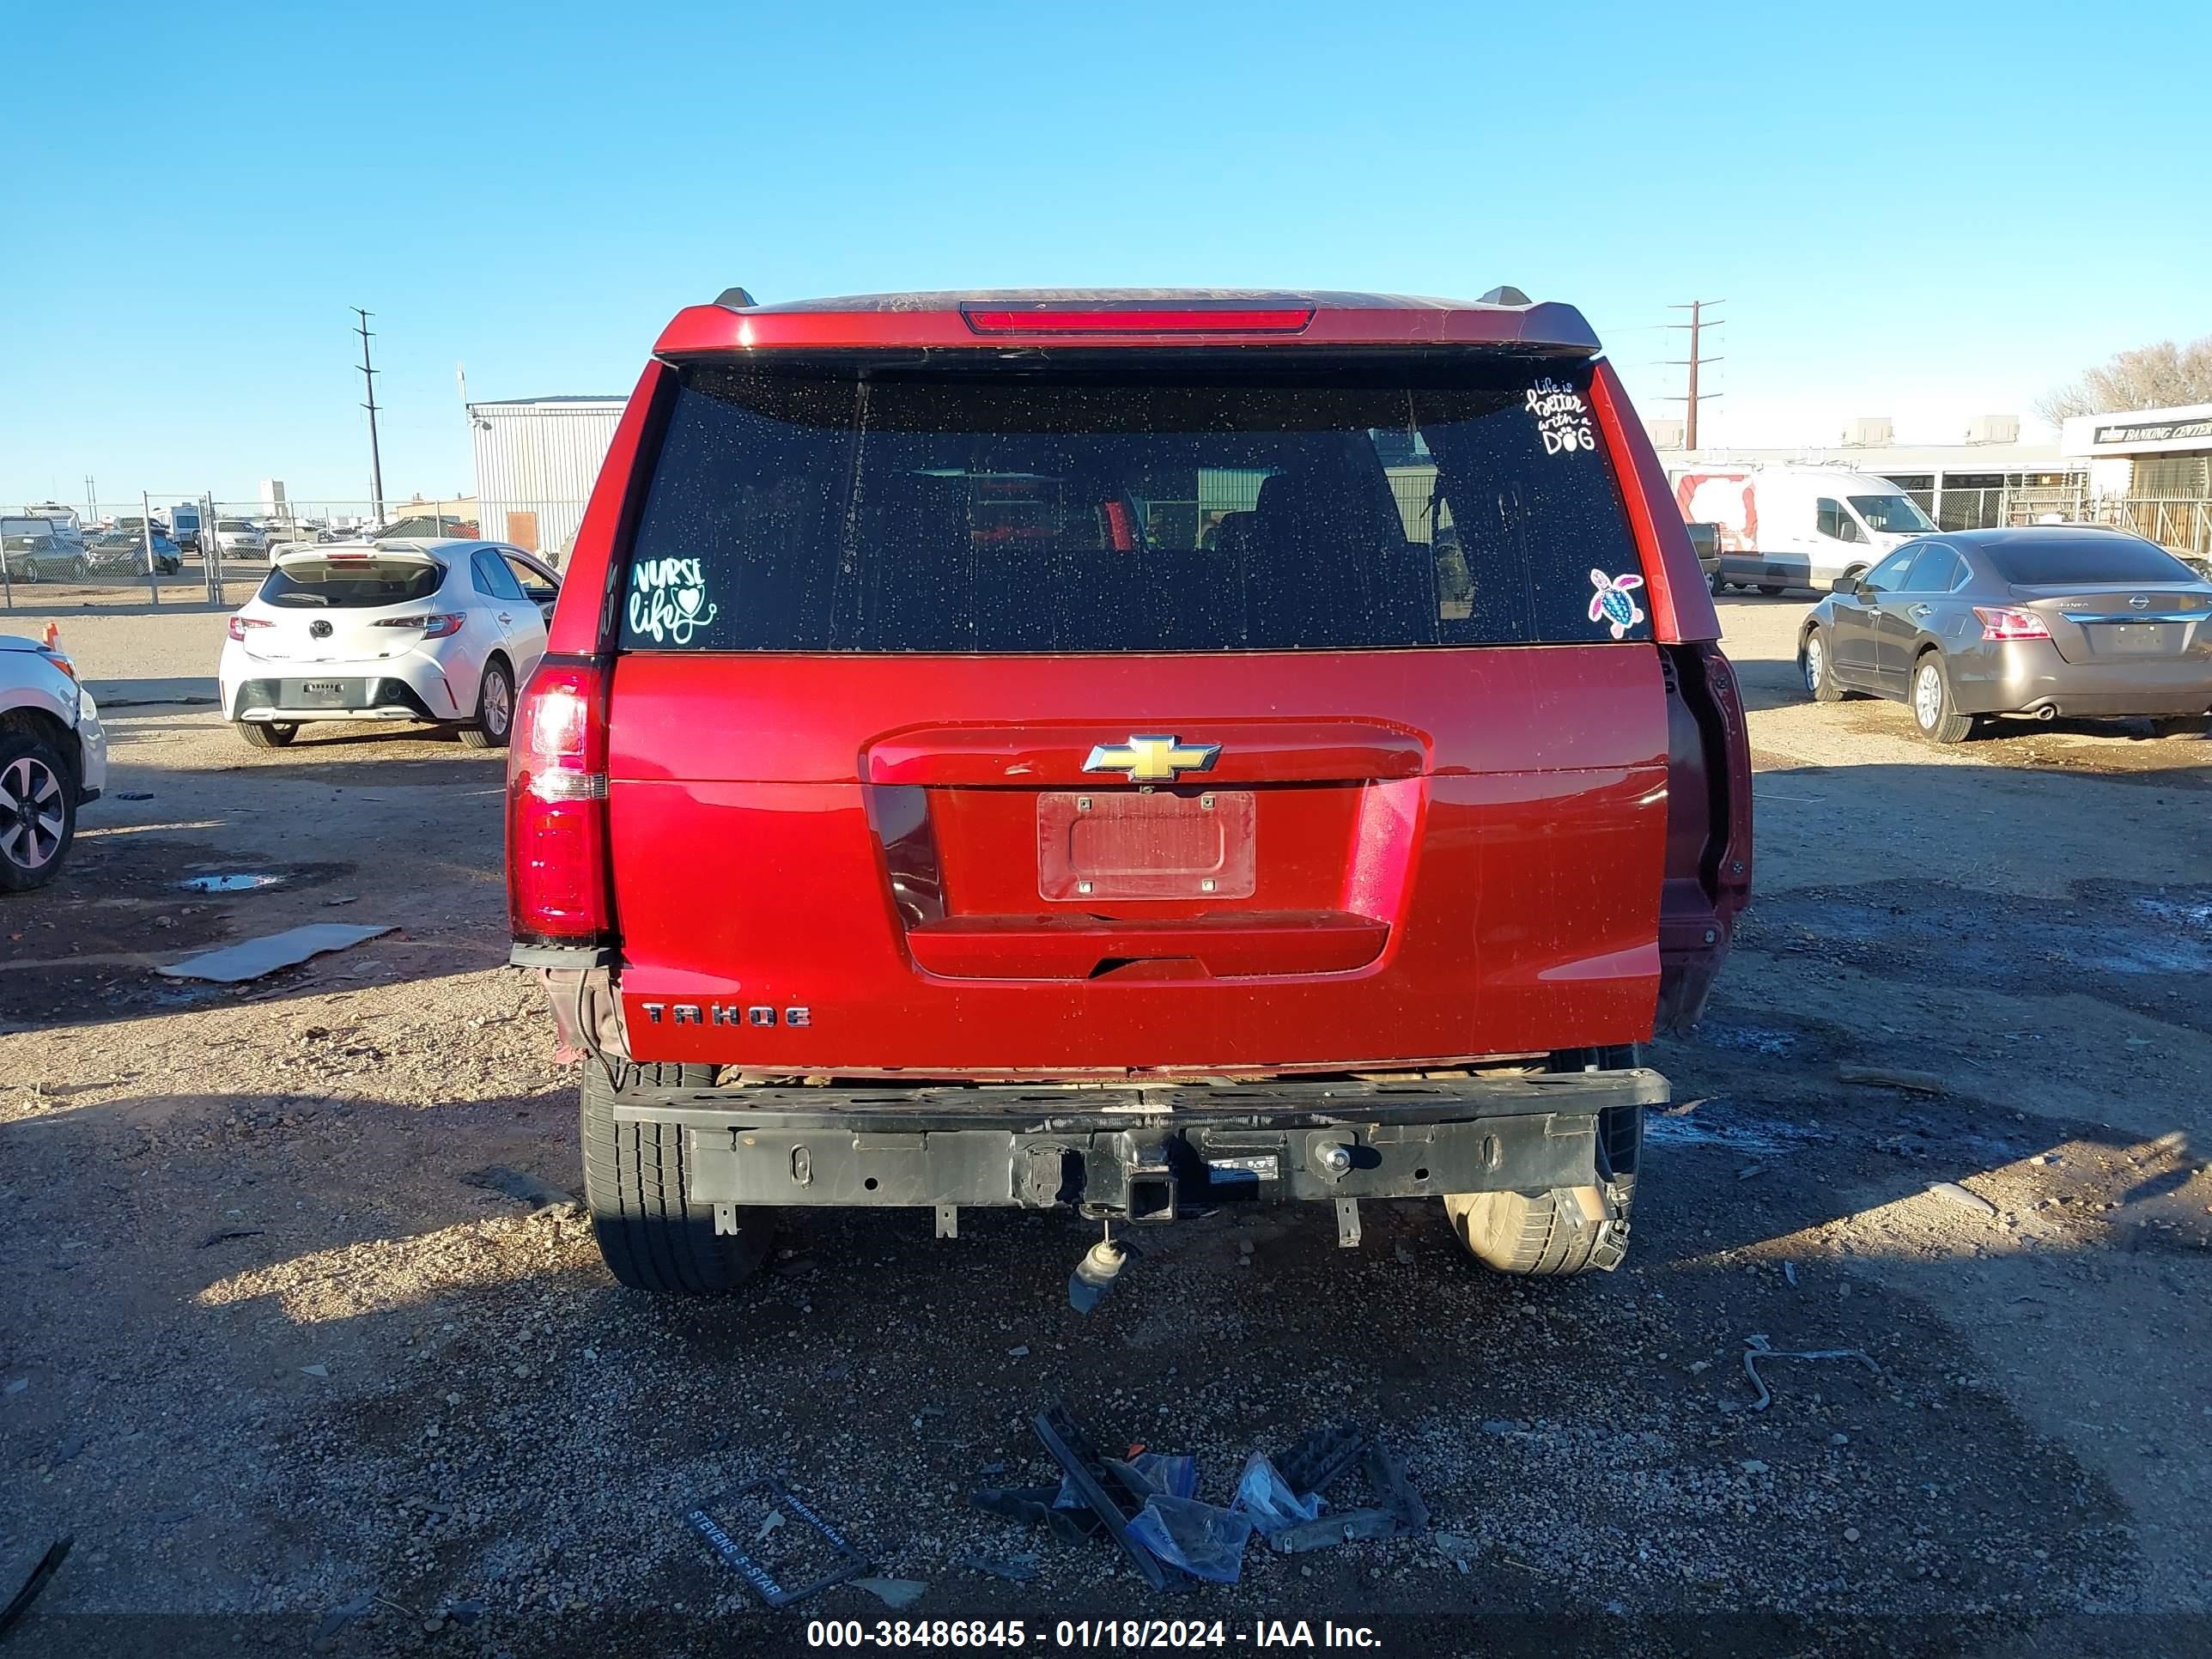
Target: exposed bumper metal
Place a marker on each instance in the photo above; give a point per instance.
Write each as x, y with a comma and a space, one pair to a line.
1142, 1153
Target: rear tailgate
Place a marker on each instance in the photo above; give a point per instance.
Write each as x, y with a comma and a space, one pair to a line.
1356, 751
2108, 623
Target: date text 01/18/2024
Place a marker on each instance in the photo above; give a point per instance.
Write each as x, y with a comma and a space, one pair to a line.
928, 1634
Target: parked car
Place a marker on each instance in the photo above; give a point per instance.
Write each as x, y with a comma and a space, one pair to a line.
53, 759
239, 538
442, 631
1797, 526
113, 552
41, 558
2032, 622
1705, 543
430, 524
951, 767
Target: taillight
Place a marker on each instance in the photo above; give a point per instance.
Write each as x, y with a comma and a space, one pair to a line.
2002, 621
434, 627
556, 807
239, 624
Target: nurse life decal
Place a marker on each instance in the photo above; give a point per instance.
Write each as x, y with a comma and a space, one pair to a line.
668, 601
1611, 603
1562, 417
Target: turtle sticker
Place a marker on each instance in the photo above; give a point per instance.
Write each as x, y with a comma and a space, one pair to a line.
1611, 603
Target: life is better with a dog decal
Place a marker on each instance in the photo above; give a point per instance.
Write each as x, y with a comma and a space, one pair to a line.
668, 600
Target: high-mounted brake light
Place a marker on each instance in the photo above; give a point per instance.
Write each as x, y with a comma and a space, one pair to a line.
556, 807
1139, 320
239, 624
2002, 621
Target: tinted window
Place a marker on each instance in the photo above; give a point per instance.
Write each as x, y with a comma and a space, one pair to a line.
493, 577
1829, 519
1180, 504
351, 584
1934, 569
2041, 563
1890, 573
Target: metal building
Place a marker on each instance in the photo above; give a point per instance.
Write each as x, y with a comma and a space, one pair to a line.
536, 460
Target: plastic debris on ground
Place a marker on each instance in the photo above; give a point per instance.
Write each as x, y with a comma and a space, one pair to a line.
1266, 1498
1205, 1541
1148, 1504
893, 1592
1019, 1568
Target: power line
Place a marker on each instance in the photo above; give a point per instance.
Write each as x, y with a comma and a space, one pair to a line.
1699, 322
375, 460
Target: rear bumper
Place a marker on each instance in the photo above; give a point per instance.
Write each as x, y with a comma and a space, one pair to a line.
2026, 677
1142, 1153
363, 696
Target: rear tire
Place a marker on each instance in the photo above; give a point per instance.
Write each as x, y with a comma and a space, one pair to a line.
1771, 590
38, 812
495, 708
1930, 697
650, 1238
1719, 587
1816, 668
266, 734
1543, 1232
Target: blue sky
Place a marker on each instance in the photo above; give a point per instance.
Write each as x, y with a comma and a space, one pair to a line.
1926, 211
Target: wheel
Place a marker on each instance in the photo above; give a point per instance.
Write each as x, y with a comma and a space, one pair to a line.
1544, 1233
38, 812
78, 569
1939, 722
1820, 673
1773, 589
266, 734
495, 708
650, 1238
2182, 726
1719, 587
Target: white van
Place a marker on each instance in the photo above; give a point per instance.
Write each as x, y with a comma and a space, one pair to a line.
1795, 527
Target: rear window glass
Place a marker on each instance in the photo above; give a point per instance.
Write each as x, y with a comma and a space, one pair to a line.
2041, 563
315, 584
1171, 505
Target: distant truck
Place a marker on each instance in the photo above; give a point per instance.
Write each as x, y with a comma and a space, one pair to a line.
185, 526
1795, 526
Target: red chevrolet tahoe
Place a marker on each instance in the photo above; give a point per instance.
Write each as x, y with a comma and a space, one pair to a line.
1141, 752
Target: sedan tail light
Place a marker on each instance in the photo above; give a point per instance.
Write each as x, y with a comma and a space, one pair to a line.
239, 624
558, 891
2003, 622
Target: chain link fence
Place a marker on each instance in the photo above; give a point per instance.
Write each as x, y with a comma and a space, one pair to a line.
173, 547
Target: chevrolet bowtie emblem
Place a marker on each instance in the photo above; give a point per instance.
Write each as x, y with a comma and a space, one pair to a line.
1152, 759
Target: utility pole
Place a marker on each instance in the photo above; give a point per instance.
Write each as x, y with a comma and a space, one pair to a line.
91, 502
1699, 322
375, 460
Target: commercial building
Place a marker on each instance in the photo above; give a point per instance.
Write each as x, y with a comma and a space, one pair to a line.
2148, 470
536, 460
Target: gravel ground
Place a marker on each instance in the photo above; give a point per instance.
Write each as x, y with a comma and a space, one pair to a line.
292, 1381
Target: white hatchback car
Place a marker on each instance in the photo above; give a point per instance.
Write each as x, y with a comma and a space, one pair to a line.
53, 759
443, 631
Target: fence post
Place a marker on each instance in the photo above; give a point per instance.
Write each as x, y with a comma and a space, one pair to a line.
210, 561
146, 531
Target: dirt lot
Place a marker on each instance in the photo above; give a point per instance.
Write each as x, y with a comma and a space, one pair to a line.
292, 1382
